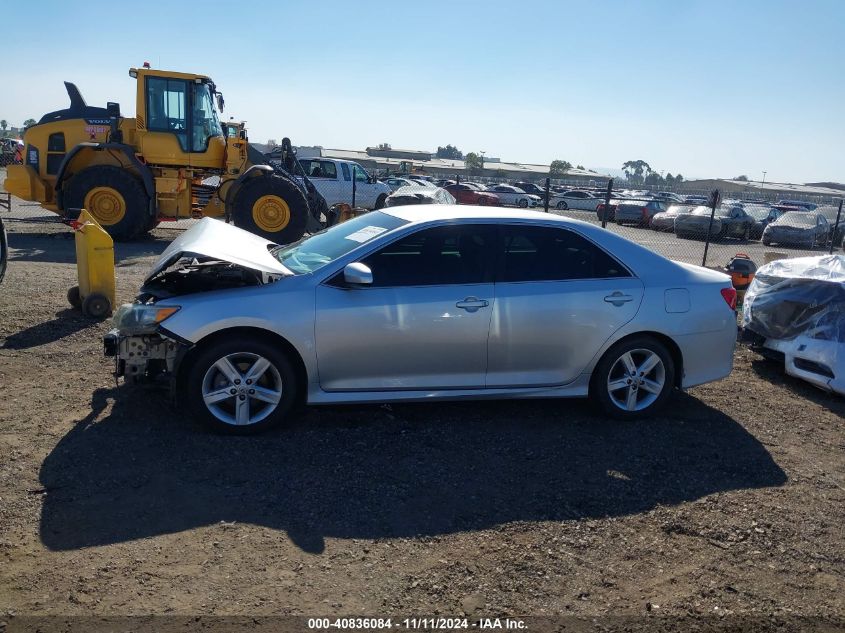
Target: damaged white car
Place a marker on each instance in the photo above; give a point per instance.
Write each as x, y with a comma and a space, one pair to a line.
794, 312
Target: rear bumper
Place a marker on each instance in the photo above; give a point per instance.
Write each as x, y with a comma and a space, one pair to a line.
707, 356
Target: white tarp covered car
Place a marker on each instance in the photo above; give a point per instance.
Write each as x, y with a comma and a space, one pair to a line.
795, 310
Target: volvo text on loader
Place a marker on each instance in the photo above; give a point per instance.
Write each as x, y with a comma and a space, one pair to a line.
173, 160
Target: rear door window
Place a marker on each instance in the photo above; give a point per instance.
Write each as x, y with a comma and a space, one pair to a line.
539, 253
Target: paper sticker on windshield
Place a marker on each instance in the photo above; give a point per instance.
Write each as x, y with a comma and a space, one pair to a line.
365, 234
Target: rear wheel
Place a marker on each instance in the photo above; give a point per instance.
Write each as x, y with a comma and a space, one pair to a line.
241, 385
380, 202
114, 197
561, 206
634, 378
272, 207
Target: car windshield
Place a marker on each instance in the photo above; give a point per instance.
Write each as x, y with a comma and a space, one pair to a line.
758, 212
796, 217
703, 211
313, 252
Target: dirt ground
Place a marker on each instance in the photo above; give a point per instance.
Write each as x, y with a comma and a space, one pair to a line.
113, 503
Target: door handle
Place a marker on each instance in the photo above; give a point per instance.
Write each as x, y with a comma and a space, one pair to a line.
617, 298
471, 304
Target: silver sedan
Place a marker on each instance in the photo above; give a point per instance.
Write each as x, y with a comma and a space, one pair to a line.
422, 303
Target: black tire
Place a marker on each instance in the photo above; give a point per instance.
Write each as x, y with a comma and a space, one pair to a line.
74, 298
562, 206
96, 306
256, 188
523, 203
380, 201
599, 391
202, 371
135, 219
766, 241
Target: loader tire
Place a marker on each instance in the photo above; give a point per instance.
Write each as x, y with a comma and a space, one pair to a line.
114, 197
272, 207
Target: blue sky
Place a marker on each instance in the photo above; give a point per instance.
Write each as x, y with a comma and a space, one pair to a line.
706, 88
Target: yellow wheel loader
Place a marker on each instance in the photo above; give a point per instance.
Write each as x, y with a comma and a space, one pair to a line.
171, 161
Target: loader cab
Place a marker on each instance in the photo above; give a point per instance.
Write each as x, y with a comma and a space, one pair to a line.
177, 123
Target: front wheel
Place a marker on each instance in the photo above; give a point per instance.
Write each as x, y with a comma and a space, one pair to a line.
634, 378
562, 206
381, 201
523, 203
241, 385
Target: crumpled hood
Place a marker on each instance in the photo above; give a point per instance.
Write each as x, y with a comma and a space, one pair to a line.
217, 240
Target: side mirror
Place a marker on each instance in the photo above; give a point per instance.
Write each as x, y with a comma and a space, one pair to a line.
220, 101
358, 274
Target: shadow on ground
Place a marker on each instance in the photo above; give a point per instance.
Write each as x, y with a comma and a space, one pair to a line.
383, 472
68, 322
60, 248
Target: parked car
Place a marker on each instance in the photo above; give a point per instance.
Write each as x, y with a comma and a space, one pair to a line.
397, 183
639, 212
414, 194
837, 232
793, 313
514, 196
333, 179
530, 187
809, 206
665, 220
469, 194
695, 200
797, 228
728, 221
576, 199
762, 215
668, 197
574, 311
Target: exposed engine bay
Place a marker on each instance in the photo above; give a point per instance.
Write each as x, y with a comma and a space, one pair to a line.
192, 275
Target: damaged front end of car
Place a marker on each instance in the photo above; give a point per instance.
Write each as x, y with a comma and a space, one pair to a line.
210, 257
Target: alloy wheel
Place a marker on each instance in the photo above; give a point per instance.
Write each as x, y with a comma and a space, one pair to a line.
242, 388
636, 379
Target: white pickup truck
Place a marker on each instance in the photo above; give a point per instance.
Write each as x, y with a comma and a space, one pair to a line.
334, 178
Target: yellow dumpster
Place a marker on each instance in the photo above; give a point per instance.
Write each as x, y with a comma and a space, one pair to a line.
94, 267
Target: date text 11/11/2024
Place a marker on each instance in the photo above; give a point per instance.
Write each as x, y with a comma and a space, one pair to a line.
414, 624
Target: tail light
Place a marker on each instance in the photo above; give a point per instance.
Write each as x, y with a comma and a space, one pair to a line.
729, 295
645, 212
600, 207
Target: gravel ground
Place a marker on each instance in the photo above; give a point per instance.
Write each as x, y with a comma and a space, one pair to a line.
112, 502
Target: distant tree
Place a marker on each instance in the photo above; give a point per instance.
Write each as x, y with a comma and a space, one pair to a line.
636, 170
384, 146
3, 124
271, 143
679, 179
670, 179
473, 163
29, 123
743, 178
449, 152
653, 178
559, 168
580, 167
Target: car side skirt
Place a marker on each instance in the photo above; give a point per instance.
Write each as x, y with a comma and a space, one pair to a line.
576, 389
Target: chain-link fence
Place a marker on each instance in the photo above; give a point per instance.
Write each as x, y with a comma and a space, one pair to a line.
681, 226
